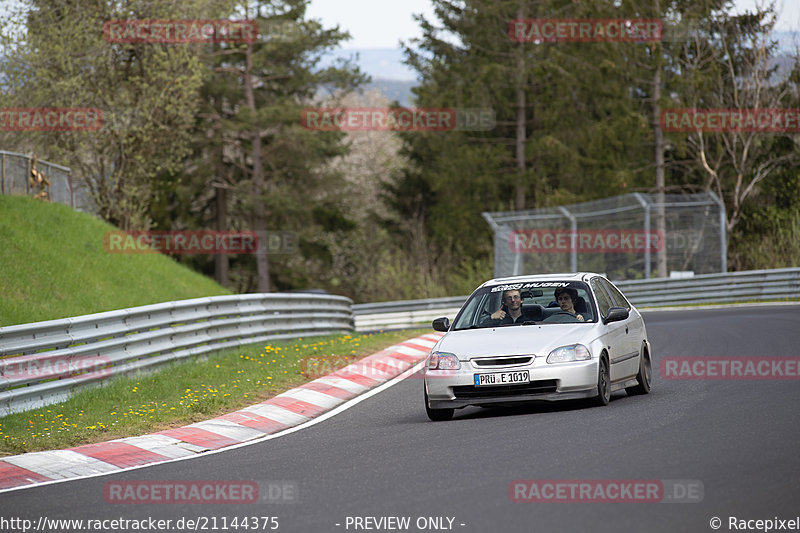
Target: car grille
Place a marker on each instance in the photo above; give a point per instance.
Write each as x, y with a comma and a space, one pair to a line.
502, 361
534, 387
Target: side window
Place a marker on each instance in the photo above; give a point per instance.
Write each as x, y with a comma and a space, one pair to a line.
470, 313
603, 301
617, 298
584, 306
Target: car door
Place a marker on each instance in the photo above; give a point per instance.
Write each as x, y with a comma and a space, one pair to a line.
614, 337
625, 359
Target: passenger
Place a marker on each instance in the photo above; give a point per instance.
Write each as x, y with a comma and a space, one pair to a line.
566, 297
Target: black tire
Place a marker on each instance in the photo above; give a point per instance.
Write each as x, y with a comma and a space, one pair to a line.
438, 415
603, 384
644, 377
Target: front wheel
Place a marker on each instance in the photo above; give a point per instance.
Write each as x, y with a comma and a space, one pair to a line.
603, 384
438, 415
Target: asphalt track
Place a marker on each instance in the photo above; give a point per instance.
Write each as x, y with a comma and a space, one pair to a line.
738, 439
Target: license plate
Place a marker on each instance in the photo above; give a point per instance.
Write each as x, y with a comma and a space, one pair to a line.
502, 378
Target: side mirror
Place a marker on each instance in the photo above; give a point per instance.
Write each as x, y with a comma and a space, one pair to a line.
441, 324
615, 314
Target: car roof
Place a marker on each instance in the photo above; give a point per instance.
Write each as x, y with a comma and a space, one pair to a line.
568, 276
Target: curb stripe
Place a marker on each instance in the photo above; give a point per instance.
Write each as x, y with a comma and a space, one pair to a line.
416, 352
159, 444
226, 428
60, 464
199, 437
252, 420
313, 397
330, 390
356, 378
15, 476
341, 383
278, 414
309, 410
410, 359
119, 454
419, 346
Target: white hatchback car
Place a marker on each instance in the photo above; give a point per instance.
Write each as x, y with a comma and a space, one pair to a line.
546, 337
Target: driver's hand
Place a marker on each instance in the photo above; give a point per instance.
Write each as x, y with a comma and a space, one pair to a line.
499, 314
579, 317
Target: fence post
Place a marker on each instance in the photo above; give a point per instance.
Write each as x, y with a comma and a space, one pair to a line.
723, 229
573, 226
3, 174
71, 192
646, 206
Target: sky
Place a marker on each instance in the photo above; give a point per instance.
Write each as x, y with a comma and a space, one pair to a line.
383, 23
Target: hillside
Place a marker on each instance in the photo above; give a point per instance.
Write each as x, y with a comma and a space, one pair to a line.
53, 265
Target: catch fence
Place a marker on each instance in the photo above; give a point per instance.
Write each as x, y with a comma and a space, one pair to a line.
15, 179
634, 236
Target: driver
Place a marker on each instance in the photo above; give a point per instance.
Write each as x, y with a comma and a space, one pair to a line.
566, 296
511, 310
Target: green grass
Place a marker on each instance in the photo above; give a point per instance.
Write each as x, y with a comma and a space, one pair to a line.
186, 392
54, 265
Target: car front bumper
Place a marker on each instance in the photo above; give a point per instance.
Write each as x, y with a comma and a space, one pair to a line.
454, 389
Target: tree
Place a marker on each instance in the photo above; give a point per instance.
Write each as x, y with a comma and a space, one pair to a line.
739, 57
260, 168
567, 128
147, 93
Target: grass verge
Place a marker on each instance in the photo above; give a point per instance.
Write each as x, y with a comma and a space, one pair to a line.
55, 265
183, 393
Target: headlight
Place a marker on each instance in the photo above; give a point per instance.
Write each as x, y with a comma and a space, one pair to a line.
568, 354
443, 361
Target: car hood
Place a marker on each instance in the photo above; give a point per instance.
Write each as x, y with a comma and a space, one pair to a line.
515, 340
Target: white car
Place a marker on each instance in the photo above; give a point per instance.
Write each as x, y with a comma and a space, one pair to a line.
546, 337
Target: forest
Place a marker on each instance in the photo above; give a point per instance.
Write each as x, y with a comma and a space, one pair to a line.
215, 135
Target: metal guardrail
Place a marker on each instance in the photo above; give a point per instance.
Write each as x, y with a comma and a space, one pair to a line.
397, 315
44, 362
761, 285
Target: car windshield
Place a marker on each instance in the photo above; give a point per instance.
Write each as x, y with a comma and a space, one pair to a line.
527, 303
